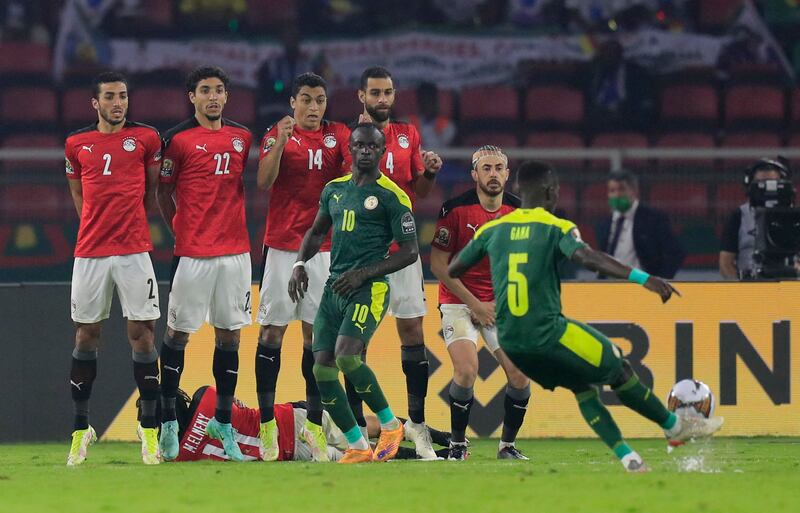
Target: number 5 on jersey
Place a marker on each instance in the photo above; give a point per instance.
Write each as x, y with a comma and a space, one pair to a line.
517, 285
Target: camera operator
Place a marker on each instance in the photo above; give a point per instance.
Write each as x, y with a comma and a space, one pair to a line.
739, 235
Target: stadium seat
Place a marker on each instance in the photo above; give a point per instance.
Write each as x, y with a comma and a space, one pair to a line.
593, 202
241, 107
343, 105
501, 139
795, 107
558, 140
748, 140
554, 105
159, 14
161, 107
76, 108
686, 140
748, 103
31, 140
489, 104
28, 107
24, 57
794, 141
567, 199
271, 14
618, 140
729, 196
716, 15
689, 199
34, 202
689, 103
405, 103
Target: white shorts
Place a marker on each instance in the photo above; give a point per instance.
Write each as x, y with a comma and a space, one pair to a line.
216, 289
457, 325
93, 282
407, 292
276, 307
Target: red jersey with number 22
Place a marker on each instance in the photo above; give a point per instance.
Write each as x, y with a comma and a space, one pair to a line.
112, 169
310, 159
207, 167
459, 219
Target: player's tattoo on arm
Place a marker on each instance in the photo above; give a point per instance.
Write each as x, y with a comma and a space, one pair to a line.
166, 203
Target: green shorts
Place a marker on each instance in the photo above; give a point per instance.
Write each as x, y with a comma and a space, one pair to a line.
582, 356
356, 316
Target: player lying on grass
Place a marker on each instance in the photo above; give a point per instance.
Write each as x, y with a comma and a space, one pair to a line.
193, 415
524, 249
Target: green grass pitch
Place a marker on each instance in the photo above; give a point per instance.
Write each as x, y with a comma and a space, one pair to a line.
723, 475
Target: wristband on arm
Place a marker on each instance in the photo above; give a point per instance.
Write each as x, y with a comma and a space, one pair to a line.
638, 276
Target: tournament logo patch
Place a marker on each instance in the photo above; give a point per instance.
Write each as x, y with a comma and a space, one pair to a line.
407, 224
576, 234
68, 167
402, 140
129, 144
443, 236
167, 167
238, 144
329, 141
370, 203
268, 144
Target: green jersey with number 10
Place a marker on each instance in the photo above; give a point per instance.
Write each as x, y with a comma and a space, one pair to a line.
525, 248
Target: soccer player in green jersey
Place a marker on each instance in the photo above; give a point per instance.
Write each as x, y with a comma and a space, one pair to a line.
524, 249
366, 211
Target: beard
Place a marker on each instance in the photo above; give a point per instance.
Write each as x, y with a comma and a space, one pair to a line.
213, 117
108, 119
377, 115
489, 191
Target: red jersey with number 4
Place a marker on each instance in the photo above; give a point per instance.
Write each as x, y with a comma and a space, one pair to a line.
112, 169
310, 159
459, 219
207, 167
196, 445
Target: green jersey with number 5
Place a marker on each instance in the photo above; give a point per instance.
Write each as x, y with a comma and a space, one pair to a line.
525, 248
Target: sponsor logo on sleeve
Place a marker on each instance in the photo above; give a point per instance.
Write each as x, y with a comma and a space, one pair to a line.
443, 236
129, 144
407, 224
167, 167
157, 156
68, 167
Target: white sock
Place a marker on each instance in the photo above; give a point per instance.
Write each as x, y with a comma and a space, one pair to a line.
361, 444
631, 456
674, 430
364, 432
503, 445
391, 425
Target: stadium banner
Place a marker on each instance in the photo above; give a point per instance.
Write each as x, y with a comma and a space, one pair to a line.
736, 337
454, 61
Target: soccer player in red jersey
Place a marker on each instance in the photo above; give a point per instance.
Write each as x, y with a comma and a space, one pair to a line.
201, 195
467, 303
299, 155
415, 172
112, 167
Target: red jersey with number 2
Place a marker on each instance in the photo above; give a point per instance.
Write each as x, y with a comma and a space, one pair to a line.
207, 167
459, 219
310, 159
112, 169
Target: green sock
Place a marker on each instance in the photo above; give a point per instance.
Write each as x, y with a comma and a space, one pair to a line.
364, 381
599, 419
333, 397
641, 399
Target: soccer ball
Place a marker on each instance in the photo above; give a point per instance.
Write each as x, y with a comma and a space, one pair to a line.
691, 397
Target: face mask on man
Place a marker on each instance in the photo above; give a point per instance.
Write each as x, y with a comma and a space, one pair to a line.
620, 203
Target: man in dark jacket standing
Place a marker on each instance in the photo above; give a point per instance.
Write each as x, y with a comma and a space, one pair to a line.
635, 234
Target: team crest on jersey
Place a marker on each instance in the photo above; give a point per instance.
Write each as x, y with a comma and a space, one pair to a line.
329, 141
129, 144
443, 236
68, 167
167, 167
402, 140
370, 203
238, 144
407, 223
268, 144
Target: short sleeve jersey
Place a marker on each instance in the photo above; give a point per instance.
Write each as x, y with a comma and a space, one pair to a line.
112, 169
459, 220
310, 159
525, 248
207, 167
365, 220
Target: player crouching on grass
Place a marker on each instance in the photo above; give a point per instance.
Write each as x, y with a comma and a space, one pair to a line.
525, 249
467, 303
193, 414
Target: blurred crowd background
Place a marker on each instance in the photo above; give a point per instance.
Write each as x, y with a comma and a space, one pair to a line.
539, 74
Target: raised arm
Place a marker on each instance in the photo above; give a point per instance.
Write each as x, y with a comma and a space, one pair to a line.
269, 165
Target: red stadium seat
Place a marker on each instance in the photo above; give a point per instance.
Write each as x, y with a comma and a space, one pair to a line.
567, 199
795, 107
558, 140
33, 140
717, 14
405, 103
618, 140
266, 14
241, 107
159, 106
594, 201
680, 198
686, 140
754, 102
748, 140
489, 103
343, 105
729, 196
34, 202
689, 102
501, 139
24, 57
794, 141
556, 104
28, 106
159, 14
76, 108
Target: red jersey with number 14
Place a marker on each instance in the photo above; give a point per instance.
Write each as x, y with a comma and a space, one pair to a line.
310, 159
207, 167
459, 219
112, 169
196, 445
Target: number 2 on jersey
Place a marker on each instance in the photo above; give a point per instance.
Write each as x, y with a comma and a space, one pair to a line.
517, 285
107, 159
219, 158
